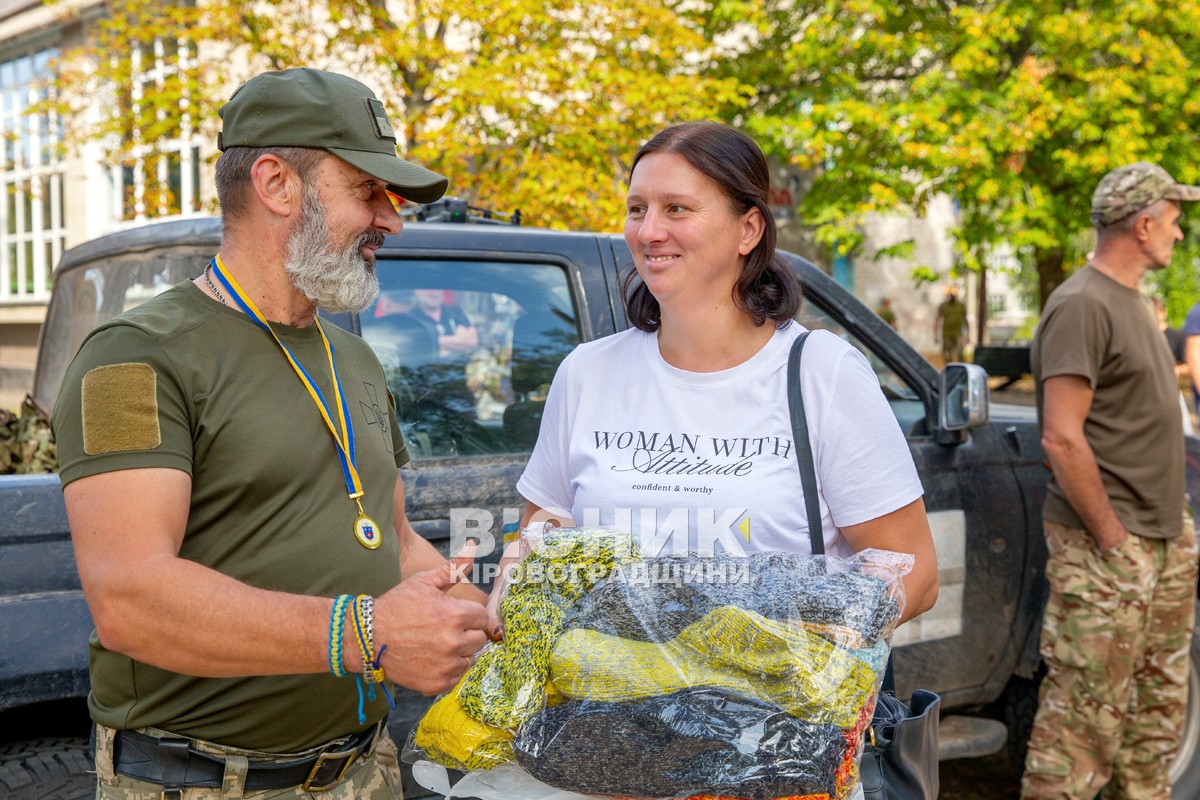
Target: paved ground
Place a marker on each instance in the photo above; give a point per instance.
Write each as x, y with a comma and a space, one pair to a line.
987, 778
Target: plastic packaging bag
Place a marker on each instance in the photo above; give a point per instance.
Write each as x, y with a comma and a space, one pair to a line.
472, 726
684, 676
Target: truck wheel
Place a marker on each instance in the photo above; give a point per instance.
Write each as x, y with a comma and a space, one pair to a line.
47, 769
1020, 707
1185, 772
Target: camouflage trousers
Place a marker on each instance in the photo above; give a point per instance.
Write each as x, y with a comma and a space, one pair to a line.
375, 776
1116, 635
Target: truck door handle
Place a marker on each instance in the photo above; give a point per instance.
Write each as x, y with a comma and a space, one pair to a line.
1014, 438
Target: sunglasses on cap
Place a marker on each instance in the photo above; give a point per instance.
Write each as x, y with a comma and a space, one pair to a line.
398, 202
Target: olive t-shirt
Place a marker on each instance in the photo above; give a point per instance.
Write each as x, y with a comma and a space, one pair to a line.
954, 318
186, 383
1098, 329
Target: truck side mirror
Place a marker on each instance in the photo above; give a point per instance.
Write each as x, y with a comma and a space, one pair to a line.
962, 397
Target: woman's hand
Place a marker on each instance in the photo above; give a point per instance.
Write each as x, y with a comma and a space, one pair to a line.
508, 562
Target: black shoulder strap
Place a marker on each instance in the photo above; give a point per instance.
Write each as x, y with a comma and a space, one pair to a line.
808, 471
804, 456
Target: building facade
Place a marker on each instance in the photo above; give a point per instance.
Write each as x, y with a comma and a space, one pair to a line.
56, 197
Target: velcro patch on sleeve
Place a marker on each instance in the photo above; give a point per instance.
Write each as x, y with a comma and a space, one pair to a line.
120, 409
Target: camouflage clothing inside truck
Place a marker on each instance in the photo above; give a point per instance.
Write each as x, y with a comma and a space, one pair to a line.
26, 442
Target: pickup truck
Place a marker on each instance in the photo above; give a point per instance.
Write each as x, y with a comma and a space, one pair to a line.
470, 415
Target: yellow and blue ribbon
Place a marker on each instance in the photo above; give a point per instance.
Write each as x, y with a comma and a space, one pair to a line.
344, 442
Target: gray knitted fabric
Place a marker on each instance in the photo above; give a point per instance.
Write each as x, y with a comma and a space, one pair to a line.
696, 741
655, 600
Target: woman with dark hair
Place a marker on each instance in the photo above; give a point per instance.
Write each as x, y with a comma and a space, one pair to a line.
765, 287
678, 429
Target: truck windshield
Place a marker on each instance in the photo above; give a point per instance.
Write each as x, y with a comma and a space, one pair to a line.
469, 349
905, 402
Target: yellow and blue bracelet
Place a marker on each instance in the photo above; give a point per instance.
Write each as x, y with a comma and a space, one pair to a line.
336, 631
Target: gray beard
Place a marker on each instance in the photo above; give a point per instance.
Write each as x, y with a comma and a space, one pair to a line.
335, 281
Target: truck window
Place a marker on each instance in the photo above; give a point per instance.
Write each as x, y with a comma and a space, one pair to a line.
469, 349
905, 403
92, 294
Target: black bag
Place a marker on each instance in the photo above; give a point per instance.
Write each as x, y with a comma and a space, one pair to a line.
900, 754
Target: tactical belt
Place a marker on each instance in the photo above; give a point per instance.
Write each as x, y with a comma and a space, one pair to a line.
175, 764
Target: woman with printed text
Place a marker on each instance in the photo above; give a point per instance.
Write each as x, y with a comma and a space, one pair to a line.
678, 428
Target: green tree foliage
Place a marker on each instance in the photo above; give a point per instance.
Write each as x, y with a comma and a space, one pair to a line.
1179, 284
1015, 108
529, 104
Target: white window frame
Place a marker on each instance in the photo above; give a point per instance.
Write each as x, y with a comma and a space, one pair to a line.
37, 243
151, 75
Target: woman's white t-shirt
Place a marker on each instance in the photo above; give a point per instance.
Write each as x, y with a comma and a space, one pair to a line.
699, 462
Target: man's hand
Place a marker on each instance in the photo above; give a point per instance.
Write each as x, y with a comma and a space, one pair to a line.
1110, 540
430, 637
464, 339
509, 561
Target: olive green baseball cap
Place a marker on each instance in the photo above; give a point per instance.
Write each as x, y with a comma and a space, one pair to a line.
1129, 189
306, 107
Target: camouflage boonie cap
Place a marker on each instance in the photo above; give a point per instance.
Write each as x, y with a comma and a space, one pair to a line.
1129, 189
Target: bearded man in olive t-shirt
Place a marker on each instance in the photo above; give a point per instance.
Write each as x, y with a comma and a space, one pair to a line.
1121, 544
238, 527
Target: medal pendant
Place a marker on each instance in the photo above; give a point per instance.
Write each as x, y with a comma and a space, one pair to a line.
367, 532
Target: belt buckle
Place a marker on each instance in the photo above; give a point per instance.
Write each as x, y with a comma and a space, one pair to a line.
348, 758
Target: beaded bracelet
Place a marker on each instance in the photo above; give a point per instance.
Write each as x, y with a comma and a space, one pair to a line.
363, 612
336, 630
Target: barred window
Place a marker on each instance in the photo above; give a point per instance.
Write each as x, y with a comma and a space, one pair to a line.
158, 177
32, 231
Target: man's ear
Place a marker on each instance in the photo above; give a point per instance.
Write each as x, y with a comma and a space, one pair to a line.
276, 185
753, 226
1141, 226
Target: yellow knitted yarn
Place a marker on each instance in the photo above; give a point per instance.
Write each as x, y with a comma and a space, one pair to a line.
729, 648
448, 735
506, 686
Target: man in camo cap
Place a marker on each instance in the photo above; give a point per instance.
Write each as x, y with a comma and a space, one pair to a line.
1128, 190
1121, 545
